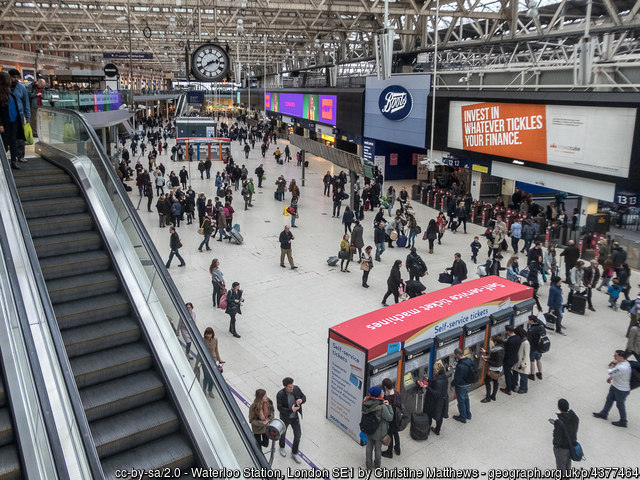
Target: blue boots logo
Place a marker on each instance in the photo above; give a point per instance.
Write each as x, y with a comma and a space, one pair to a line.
395, 103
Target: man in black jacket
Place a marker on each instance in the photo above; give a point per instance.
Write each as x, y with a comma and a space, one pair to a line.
285, 246
571, 255
378, 239
565, 434
462, 381
536, 331
260, 174
511, 347
458, 269
289, 401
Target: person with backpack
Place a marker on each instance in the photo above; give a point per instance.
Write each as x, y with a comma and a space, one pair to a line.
620, 380
633, 339
376, 415
395, 400
464, 376
436, 404
565, 434
415, 265
539, 344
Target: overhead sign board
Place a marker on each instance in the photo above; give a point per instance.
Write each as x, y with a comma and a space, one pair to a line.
395, 102
110, 70
589, 139
125, 55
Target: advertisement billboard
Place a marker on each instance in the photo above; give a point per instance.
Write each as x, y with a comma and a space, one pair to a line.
311, 107
346, 385
328, 107
291, 104
308, 106
395, 110
591, 139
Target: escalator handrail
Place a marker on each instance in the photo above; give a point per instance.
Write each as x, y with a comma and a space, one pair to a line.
58, 344
198, 341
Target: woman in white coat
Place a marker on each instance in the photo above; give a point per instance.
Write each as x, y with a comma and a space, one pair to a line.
522, 366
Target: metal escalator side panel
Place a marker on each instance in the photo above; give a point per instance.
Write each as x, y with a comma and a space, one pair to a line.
203, 427
170, 305
46, 435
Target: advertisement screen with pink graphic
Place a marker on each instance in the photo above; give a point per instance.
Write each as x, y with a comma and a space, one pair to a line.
328, 106
319, 108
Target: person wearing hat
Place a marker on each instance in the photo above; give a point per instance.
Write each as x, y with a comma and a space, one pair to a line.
21, 95
376, 404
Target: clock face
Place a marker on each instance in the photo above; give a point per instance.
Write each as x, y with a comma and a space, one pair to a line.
209, 63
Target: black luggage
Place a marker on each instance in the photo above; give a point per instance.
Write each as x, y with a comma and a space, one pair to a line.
578, 304
420, 426
333, 261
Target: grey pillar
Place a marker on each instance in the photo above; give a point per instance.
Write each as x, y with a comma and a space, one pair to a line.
352, 183
302, 155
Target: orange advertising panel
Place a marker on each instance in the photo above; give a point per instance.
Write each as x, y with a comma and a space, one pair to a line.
506, 129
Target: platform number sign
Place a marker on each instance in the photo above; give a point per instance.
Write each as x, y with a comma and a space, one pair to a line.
628, 200
209, 63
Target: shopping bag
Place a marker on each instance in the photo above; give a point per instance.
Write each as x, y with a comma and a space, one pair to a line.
28, 134
285, 212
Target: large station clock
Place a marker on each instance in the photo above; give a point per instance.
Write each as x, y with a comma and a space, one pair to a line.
209, 63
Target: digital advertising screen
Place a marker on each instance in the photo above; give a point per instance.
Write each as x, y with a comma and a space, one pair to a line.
291, 104
317, 108
311, 107
590, 139
328, 107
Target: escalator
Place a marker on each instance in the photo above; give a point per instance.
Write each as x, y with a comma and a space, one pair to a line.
10, 463
132, 416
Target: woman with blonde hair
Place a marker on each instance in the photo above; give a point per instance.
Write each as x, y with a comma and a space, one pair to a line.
513, 269
260, 414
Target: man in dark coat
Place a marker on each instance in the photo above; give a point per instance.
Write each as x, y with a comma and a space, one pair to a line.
571, 255
289, 402
285, 246
436, 403
565, 434
458, 269
511, 348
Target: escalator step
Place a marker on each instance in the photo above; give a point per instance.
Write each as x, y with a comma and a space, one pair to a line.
40, 192
83, 286
74, 264
59, 224
168, 452
42, 177
67, 243
99, 336
77, 313
3, 395
62, 206
109, 364
122, 394
6, 427
133, 428
10, 463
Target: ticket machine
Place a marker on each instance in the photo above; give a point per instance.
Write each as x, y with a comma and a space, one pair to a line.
476, 336
521, 312
499, 320
416, 367
383, 367
444, 346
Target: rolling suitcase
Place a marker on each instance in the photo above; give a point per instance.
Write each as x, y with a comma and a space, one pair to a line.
401, 241
235, 234
420, 426
578, 304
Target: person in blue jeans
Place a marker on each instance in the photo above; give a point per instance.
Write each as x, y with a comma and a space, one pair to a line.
462, 381
174, 245
620, 380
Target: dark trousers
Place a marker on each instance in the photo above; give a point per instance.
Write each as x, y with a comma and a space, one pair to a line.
217, 294
391, 292
177, 254
336, 208
514, 244
261, 439
438, 425
589, 304
327, 188
365, 277
464, 224
619, 397
431, 240
10, 141
395, 440
491, 387
297, 433
207, 382
232, 323
558, 322
563, 458
567, 272
510, 383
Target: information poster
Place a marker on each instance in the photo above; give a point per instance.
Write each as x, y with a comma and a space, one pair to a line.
591, 139
393, 159
345, 386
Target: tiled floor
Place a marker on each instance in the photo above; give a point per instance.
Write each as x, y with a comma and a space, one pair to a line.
287, 314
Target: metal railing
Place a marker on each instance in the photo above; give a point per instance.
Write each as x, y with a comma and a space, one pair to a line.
63, 414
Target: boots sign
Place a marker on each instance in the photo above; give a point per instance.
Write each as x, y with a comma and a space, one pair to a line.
395, 103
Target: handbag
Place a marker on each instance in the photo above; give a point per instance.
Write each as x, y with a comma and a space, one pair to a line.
220, 369
445, 277
28, 134
493, 375
364, 265
285, 212
223, 301
343, 255
201, 229
386, 440
418, 229
575, 450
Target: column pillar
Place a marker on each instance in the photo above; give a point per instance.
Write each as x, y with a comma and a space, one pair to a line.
476, 182
508, 188
588, 206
